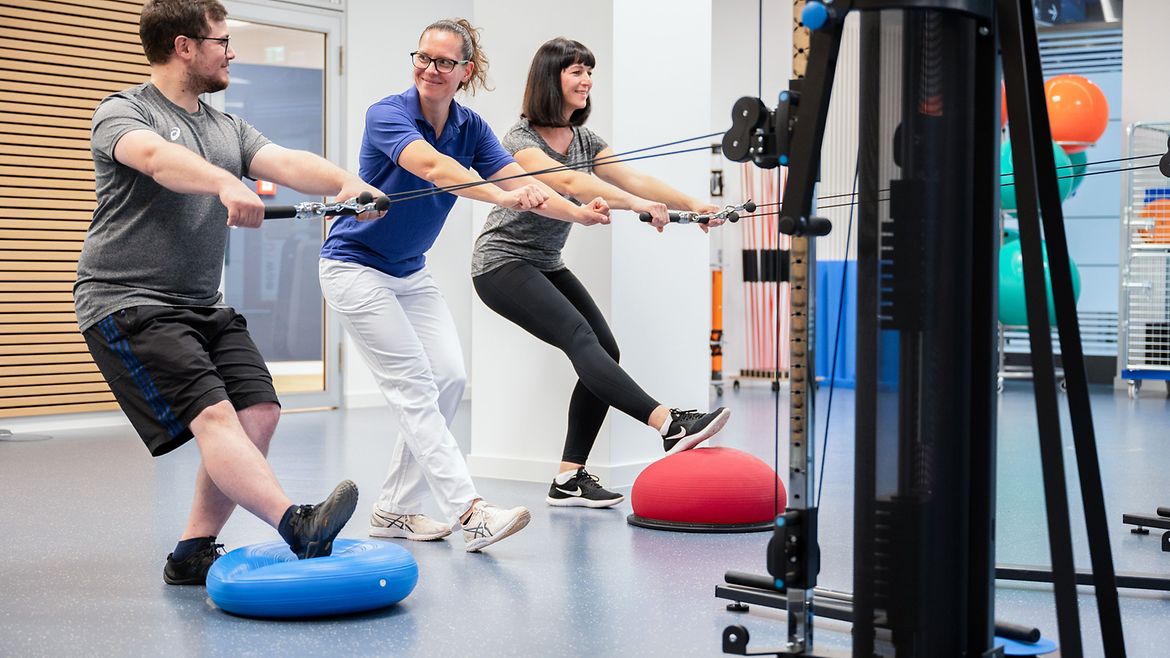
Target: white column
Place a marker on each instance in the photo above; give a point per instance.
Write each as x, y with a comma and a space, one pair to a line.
651, 86
1143, 34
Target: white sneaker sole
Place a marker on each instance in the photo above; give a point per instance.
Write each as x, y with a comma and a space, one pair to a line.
688, 442
512, 528
582, 502
398, 533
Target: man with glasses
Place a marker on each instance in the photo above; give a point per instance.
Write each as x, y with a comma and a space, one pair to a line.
180, 363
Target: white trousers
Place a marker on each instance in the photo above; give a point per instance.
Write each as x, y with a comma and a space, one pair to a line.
406, 335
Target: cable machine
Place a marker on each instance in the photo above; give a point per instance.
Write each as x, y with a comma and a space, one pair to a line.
928, 239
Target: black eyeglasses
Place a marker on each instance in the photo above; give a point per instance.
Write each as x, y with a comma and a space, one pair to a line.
224, 40
442, 64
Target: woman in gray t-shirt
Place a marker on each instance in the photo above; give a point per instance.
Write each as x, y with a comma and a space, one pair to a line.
518, 272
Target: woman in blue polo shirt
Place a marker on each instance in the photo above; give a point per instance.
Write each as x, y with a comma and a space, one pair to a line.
374, 276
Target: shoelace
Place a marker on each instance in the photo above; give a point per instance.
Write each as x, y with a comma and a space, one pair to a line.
685, 415
587, 479
210, 554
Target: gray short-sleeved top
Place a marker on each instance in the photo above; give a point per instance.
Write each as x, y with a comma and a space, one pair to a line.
510, 235
146, 244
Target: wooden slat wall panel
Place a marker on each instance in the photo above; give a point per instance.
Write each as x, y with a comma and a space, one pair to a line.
68, 106
11, 392
58, 59
84, 57
32, 124
49, 409
48, 378
87, 30
46, 341
27, 234
45, 369
44, 225
26, 71
122, 7
38, 128
36, 57
50, 12
39, 286
30, 139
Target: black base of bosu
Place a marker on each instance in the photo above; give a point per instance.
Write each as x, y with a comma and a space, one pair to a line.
678, 526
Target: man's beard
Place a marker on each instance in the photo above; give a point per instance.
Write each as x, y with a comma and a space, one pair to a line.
205, 84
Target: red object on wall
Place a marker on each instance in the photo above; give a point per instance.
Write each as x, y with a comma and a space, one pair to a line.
265, 188
708, 490
1077, 110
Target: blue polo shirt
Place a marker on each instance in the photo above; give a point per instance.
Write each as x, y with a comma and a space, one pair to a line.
397, 243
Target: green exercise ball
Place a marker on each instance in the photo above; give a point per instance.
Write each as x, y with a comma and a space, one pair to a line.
1007, 188
1080, 163
1012, 306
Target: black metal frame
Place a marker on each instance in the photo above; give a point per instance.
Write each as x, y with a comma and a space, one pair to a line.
792, 135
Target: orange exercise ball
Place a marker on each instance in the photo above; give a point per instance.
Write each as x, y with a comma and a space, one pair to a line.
1002, 106
1159, 211
1077, 110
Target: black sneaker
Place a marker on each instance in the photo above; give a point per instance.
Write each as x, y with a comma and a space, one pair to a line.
582, 490
313, 527
193, 570
690, 428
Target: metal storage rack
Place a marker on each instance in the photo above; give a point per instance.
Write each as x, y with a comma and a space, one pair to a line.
1144, 313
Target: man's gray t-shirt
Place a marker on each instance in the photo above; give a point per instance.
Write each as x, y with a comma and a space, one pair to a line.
147, 245
510, 235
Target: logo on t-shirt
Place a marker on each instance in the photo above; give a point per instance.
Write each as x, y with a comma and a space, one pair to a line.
174, 133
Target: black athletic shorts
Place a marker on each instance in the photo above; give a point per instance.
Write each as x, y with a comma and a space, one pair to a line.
166, 364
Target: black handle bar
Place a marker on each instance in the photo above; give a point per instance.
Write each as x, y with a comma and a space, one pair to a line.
365, 202
730, 213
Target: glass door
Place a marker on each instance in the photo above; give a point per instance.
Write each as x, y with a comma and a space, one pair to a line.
281, 84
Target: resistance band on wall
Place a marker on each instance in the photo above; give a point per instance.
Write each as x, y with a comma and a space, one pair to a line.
765, 276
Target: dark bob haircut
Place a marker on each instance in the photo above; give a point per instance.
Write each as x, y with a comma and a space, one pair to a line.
543, 100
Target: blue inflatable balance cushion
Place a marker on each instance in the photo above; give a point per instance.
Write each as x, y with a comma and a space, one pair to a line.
1019, 648
267, 580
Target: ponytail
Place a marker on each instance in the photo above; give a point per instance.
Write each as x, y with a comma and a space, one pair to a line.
471, 50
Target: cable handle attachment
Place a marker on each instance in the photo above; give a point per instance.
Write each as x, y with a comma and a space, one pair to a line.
365, 202
730, 213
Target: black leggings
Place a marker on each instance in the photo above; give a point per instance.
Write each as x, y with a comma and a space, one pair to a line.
556, 308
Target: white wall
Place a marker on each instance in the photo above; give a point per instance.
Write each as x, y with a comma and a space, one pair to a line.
661, 282
1146, 96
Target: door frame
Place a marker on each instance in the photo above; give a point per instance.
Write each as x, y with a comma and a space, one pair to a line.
331, 23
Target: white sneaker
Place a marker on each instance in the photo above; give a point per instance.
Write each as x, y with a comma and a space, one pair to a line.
418, 527
489, 524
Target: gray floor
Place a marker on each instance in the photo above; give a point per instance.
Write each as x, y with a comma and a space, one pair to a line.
88, 517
